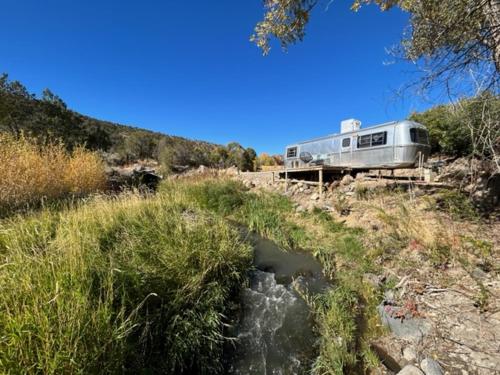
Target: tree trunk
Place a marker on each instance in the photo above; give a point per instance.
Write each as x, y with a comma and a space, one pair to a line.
492, 13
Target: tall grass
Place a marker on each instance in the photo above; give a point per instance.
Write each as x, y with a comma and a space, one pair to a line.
31, 173
265, 214
346, 316
126, 285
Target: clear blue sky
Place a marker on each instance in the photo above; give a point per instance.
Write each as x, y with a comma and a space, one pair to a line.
187, 67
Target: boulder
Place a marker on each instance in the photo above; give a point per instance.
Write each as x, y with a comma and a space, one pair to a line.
410, 370
315, 197
300, 209
410, 354
347, 180
409, 328
431, 367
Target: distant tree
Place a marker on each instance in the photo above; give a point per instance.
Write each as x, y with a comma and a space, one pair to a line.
218, 157
265, 159
240, 157
49, 97
15, 105
96, 138
446, 37
278, 159
250, 159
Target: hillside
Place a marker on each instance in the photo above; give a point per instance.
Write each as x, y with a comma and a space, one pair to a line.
48, 118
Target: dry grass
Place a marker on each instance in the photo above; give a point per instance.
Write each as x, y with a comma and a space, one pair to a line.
31, 173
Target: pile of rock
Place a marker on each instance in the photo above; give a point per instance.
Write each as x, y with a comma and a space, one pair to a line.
137, 176
479, 178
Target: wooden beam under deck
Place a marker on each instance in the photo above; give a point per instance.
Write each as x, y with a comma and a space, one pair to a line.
316, 168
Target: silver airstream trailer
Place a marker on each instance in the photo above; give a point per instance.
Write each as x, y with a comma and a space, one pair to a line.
393, 145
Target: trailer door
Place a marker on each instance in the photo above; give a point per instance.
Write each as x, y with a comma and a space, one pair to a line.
346, 144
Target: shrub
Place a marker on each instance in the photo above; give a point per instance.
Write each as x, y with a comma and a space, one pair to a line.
31, 173
456, 204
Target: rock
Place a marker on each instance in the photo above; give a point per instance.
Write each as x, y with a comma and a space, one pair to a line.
410, 354
315, 197
431, 367
347, 179
374, 280
410, 370
410, 328
300, 209
478, 273
333, 185
387, 359
389, 295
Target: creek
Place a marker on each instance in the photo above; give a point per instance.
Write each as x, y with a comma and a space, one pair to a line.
274, 330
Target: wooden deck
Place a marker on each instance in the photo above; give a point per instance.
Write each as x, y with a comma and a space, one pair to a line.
321, 170
318, 172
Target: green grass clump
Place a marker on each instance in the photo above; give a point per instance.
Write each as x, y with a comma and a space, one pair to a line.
127, 285
267, 215
222, 197
457, 205
335, 312
263, 213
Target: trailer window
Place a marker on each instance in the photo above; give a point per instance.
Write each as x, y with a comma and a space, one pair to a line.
364, 141
375, 139
291, 152
346, 142
419, 135
379, 139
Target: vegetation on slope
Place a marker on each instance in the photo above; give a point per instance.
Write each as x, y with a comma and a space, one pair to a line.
48, 118
126, 285
469, 127
32, 173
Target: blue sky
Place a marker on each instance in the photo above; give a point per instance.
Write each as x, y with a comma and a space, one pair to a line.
187, 67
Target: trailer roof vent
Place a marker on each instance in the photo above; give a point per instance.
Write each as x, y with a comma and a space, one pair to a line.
349, 125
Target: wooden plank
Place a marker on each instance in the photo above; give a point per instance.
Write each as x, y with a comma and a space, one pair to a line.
295, 181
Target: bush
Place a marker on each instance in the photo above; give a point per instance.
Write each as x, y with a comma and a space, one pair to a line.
128, 285
32, 173
456, 204
222, 197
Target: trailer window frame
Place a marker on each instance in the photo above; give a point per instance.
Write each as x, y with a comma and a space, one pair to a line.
346, 144
372, 140
291, 152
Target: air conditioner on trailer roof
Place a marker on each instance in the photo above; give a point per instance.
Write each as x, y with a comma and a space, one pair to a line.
350, 125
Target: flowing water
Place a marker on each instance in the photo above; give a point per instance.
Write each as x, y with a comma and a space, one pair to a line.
274, 333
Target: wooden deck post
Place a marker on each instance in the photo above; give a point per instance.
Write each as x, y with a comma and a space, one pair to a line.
286, 180
321, 184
